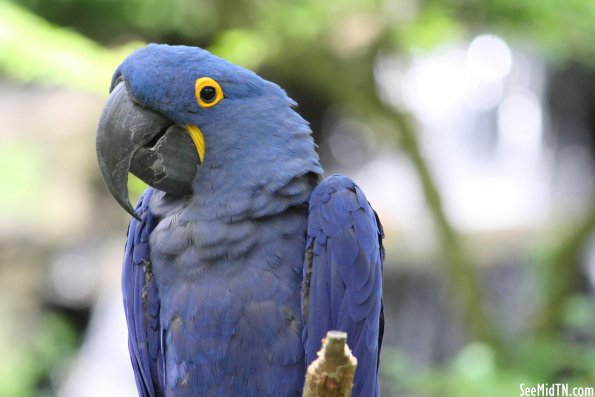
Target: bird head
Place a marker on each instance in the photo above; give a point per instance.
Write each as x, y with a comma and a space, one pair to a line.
176, 113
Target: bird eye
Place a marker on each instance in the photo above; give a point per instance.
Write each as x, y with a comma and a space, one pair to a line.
208, 92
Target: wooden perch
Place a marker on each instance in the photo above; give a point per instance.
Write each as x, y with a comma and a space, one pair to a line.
331, 374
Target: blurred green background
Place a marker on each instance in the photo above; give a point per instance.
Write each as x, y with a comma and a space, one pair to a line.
469, 124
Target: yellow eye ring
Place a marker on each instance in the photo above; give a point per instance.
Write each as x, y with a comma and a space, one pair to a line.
208, 92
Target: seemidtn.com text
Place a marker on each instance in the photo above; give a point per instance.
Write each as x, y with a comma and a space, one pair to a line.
555, 390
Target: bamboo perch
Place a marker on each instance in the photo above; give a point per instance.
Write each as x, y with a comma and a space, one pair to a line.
331, 374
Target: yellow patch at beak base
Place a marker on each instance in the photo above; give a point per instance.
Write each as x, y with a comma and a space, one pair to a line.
198, 139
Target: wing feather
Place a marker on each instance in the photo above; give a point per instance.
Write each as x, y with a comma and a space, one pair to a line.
343, 276
141, 303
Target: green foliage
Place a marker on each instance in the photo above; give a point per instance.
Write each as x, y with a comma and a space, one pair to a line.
579, 314
21, 176
135, 188
563, 29
243, 47
273, 23
432, 28
115, 22
476, 371
33, 49
34, 355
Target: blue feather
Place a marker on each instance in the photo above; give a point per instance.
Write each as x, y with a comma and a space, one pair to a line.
346, 282
212, 281
141, 303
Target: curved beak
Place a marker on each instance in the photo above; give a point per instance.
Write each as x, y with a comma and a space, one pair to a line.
132, 138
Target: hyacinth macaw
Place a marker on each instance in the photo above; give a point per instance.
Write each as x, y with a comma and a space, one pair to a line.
239, 258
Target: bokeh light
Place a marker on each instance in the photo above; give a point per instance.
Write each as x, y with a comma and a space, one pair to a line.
489, 58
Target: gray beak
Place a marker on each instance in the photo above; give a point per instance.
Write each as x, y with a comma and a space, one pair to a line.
132, 138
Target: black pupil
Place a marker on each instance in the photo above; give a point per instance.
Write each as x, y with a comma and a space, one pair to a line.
208, 94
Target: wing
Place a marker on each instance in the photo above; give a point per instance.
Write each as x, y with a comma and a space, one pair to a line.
141, 304
343, 277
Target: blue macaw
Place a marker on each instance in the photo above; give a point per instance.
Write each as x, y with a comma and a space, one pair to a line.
239, 258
